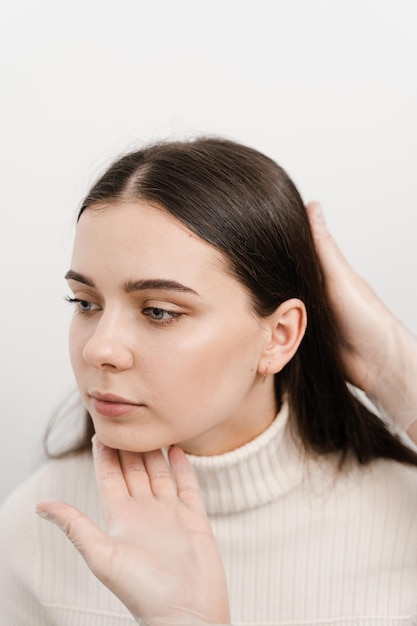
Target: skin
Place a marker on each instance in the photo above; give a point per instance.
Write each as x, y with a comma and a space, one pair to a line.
189, 361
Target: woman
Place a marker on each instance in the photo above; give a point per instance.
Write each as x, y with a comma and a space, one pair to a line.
202, 320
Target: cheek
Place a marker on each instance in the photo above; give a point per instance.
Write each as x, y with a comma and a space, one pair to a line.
76, 342
232, 364
211, 362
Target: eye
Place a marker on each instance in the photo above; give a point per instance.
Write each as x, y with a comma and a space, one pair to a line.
162, 316
83, 306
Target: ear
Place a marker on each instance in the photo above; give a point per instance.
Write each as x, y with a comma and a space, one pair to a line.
285, 329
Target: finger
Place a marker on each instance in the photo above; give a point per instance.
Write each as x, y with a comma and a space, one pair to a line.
188, 488
135, 474
91, 542
331, 257
160, 475
111, 484
316, 219
321, 234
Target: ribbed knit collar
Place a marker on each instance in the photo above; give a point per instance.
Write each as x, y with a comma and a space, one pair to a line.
252, 475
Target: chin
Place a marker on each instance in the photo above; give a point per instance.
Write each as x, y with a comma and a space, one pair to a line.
123, 439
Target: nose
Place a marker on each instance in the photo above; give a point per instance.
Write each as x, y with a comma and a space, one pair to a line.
108, 347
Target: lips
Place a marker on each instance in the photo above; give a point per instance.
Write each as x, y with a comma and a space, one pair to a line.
110, 405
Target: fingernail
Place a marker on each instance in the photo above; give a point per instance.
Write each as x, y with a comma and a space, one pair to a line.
44, 515
97, 444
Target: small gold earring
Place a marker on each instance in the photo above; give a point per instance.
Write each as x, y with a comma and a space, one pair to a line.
266, 371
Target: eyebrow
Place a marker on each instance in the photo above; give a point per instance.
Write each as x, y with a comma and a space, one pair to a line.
137, 285
71, 275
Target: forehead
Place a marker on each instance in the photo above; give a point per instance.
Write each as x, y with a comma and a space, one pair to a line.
141, 240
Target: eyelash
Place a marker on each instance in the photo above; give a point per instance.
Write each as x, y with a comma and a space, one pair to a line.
174, 316
79, 302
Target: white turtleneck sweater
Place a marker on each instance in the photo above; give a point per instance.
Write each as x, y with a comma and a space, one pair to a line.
303, 544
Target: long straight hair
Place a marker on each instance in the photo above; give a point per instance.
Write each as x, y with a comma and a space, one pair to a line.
246, 206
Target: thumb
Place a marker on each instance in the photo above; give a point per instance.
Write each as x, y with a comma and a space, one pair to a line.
86, 536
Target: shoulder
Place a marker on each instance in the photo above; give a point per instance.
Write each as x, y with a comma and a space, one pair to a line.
29, 546
382, 487
43, 579
381, 499
65, 479
21, 531
394, 485
387, 475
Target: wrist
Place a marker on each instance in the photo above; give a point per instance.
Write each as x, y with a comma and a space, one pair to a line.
393, 381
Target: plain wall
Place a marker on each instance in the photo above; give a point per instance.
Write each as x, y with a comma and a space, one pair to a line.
328, 88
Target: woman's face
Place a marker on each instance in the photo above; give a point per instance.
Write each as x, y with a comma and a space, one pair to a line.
164, 344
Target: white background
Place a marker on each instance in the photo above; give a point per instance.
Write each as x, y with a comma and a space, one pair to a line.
326, 87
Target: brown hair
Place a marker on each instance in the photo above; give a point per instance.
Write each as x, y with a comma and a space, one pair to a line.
245, 205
